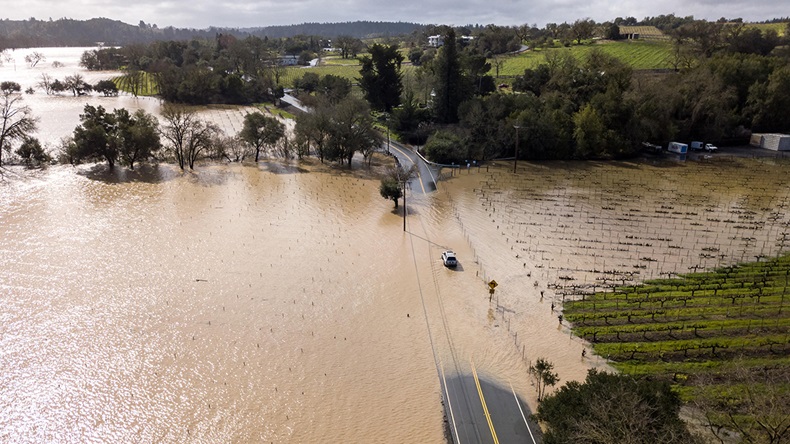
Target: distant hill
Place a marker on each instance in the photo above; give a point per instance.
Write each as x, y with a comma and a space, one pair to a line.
68, 32
360, 29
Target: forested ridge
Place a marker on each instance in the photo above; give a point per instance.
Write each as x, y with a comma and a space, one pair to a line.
68, 32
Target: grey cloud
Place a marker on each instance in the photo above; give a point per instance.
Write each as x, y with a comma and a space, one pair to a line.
204, 13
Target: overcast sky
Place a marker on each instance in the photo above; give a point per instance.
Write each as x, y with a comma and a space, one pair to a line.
252, 13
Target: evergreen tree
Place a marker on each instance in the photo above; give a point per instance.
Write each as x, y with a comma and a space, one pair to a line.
449, 91
381, 77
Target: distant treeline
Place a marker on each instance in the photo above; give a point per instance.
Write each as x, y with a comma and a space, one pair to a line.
360, 29
67, 32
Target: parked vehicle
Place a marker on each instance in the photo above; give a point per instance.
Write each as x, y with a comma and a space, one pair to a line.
696, 145
710, 147
449, 259
677, 147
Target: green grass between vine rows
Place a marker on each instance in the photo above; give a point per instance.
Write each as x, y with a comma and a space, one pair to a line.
680, 329
639, 54
149, 85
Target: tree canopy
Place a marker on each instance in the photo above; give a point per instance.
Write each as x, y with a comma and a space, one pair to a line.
380, 77
261, 131
16, 119
613, 408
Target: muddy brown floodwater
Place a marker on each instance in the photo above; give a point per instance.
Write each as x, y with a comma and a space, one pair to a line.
284, 303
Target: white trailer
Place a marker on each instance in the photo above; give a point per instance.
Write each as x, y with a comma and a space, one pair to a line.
776, 142
677, 147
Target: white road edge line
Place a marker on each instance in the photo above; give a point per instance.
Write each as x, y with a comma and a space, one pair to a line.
419, 176
450, 405
522, 414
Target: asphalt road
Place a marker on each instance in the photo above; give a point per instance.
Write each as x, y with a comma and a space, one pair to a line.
473, 401
478, 411
427, 174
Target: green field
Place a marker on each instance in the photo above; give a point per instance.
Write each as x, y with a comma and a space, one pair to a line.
687, 328
350, 72
149, 86
337, 60
722, 338
780, 28
639, 54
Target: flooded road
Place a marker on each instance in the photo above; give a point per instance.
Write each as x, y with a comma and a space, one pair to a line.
284, 302
233, 305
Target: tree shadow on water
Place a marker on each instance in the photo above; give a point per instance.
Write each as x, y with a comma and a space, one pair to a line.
143, 173
281, 168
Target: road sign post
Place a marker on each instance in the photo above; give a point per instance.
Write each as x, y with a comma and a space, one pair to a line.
491, 286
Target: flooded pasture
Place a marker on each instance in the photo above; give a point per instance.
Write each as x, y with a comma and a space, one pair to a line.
558, 230
232, 305
283, 302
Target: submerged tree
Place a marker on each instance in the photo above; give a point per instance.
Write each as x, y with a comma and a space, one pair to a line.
261, 131
188, 136
96, 136
544, 376
16, 120
31, 152
138, 135
390, 189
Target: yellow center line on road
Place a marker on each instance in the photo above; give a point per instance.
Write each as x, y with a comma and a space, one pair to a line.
483, 401
419, 176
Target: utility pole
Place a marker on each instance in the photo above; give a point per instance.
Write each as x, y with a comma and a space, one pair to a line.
515, 159
404, 204
403, 176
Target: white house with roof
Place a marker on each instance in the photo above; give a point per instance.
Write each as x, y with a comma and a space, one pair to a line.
436, 41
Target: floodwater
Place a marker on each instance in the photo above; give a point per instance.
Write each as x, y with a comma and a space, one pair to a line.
284, 303
58, 114
236, 304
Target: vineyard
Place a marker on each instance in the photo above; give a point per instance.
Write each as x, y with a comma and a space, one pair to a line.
683, 327
636, 53
147, 84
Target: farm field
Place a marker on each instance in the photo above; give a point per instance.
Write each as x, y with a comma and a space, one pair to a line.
722, 337
780, 28
677, 327
148, 84
348, 71
337, 60
639, 231
639, 54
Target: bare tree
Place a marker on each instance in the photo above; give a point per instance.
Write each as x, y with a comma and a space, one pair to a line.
231, 148
544, 377
617, 416
188, 136
134, 80
76, 83
759, 410
34, 58
16, 120
45, 83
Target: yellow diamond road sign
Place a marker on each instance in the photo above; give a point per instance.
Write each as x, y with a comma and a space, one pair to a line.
492, 285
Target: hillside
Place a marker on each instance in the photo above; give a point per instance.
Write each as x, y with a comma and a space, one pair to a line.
639, 54
361, 29
68, 32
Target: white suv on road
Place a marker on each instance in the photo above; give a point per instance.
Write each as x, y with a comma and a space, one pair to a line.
449, 259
